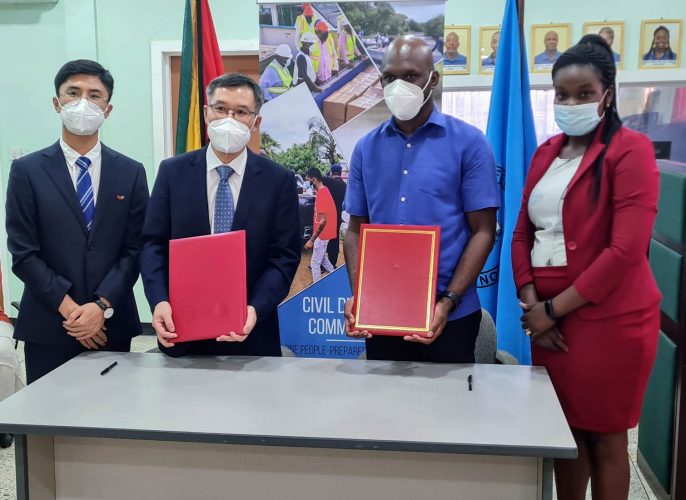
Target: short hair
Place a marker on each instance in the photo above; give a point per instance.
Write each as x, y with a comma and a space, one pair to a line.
84, 67
232, 80
607, 29
453, 33
315, 173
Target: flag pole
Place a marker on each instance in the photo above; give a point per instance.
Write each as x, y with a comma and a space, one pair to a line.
520, 15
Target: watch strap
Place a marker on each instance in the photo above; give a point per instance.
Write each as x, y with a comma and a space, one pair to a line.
549, 310
453, 297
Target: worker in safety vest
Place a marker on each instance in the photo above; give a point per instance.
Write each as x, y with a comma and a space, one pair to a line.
305, 22
347, 45
324, 54
277, 78
303, 71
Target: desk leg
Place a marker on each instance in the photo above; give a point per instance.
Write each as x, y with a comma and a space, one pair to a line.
547, 474
22, 465
35, 463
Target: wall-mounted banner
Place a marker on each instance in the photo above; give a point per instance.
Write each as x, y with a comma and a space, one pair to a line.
320, 74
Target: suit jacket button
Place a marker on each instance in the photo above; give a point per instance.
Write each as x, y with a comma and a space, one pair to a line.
571, 245
90, 247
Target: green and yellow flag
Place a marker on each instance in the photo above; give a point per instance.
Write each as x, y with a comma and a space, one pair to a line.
201, 62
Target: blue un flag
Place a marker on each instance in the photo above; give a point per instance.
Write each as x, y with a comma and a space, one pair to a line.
513, 138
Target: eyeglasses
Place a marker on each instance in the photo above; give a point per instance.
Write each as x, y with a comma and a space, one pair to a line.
74, 95
223, 111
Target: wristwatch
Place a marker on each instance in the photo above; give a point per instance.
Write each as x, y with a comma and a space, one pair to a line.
107, 311
453, 297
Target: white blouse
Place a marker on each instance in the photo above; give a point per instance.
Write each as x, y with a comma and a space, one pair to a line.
545, 213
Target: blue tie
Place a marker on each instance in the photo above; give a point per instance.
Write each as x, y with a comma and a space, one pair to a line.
84, 190
223, 204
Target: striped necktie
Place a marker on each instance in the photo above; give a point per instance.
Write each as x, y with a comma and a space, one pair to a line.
223, 204
84, 190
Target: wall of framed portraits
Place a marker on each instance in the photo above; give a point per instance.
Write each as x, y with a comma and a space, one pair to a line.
647, 40
646, 37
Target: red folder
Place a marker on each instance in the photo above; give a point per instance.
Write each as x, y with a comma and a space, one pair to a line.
397, 271
207, 285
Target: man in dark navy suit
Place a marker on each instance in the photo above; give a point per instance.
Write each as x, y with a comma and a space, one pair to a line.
75, 213
219, 188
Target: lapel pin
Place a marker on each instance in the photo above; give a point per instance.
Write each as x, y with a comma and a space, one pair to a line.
120, 197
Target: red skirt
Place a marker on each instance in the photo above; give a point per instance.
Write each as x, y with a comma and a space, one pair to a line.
601, 380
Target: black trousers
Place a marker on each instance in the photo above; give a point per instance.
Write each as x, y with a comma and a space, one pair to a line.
41, 359
333, 248
454, 345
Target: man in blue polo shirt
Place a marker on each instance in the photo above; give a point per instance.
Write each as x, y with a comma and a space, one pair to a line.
452, 56
422, 167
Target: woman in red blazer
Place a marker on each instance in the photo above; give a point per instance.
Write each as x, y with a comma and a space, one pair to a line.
579, 253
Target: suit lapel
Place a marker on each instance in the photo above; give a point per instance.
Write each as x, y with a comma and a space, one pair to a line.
551, 150
590, 156
55, 166
106, 188
587, 162
198, 184
250, 191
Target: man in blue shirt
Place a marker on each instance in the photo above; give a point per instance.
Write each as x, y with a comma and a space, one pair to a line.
276, 78
550, 54
490, 60
608, 35
452, 56
422, 167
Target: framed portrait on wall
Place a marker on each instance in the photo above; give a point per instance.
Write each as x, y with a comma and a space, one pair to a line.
457, 46
548, 42
489, 38
660, 43
613, 33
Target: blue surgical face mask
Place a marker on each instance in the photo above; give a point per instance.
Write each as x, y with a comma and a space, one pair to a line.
580, 119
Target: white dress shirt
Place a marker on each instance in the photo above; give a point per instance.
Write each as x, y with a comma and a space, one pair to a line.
235, 181
545, 213
94, 155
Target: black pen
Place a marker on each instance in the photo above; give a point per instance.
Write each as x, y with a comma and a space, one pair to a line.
469, 381
112, 366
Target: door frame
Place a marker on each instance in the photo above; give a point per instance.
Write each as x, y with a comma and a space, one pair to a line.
161, 52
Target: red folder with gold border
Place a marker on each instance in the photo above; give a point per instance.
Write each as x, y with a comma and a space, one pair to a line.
207, 285
397, 271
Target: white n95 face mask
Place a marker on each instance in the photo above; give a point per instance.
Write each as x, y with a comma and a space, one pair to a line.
82, 117
405, 99
580, 119
228, 135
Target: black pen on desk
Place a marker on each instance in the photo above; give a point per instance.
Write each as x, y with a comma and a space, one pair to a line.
469, 381
108, 368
